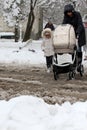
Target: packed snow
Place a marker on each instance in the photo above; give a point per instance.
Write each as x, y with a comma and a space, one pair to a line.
32, 113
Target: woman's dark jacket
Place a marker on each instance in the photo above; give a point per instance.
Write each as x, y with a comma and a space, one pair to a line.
76, 22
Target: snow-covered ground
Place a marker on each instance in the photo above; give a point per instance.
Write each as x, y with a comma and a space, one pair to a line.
10, 53
29, 55
32, 113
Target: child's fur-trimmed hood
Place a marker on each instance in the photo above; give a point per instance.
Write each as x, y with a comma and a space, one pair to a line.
46, 30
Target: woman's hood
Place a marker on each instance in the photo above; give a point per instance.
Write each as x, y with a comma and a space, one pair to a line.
68, 8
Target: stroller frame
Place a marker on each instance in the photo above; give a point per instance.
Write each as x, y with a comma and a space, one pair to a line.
68, 67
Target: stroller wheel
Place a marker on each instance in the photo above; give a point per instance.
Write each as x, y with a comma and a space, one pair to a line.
71, 75
55, 76
81, 70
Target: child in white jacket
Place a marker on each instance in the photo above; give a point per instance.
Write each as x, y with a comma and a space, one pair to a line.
47, 47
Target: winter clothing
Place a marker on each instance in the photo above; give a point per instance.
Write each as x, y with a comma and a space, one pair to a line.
68, 8
49, 60
74, 18
47, 46
50, 25
76, 21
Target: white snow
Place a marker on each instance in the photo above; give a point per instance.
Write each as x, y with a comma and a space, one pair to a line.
6, 34
32, 113
11, 54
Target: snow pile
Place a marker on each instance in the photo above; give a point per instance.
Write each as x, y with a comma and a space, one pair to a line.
32, 113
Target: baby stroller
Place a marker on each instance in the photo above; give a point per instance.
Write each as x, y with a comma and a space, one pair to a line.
64, 42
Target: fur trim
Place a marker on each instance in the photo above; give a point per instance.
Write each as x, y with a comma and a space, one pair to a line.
46, 30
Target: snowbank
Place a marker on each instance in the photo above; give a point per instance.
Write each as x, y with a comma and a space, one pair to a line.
32, 113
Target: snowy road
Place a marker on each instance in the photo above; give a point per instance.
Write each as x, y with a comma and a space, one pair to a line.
15, 81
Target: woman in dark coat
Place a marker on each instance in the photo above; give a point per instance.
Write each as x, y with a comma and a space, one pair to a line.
74, 18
